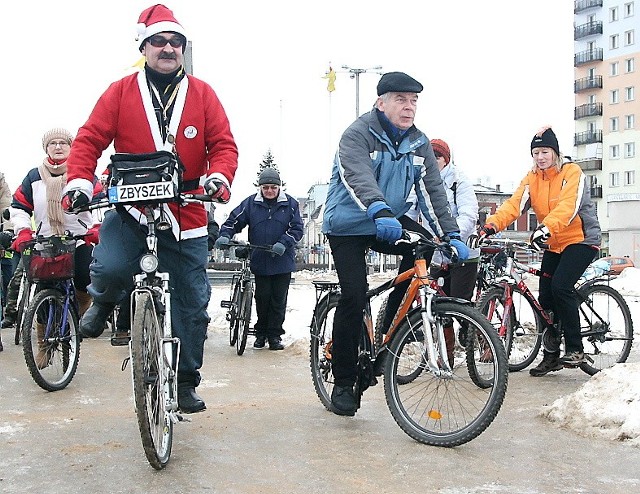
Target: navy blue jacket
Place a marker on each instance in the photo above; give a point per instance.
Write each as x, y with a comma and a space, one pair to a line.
268, 225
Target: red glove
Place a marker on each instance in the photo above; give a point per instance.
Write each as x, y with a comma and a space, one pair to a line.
25, 236
217, 189
92, 235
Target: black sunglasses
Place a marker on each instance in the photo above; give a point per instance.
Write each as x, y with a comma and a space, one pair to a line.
160, 41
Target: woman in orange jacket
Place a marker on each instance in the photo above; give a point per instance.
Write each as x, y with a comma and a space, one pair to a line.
567, 223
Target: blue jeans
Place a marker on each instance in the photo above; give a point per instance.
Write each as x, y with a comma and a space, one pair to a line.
115, 262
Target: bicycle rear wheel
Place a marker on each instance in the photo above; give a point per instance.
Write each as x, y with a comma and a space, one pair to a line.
152, 387
523, 327
440, 408
320, 348
50, 340
245, 317
606, 326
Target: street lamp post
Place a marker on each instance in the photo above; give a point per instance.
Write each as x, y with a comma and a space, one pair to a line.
355, 74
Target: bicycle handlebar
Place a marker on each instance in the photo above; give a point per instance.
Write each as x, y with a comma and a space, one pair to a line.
423, 243
180, 198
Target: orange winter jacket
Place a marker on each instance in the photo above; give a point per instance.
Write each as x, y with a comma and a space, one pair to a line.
561, 201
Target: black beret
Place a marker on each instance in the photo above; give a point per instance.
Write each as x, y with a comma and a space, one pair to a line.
398, 82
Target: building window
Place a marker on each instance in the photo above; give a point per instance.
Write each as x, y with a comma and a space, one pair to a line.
628, 9
614, 41
614, 96
613, 124
614, 68
613, 14
629, 93
533, 222
629, 149
629, 122
630, 177
512, 227
628, 38
614, 152
614, 179
629, 65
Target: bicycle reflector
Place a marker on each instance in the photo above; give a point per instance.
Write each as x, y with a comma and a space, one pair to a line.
149, 263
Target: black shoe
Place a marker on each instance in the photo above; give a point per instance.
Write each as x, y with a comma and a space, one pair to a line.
260, 342
572, 359
7, 322
343, 400
94, 320
275, 343
548, 364
189, 401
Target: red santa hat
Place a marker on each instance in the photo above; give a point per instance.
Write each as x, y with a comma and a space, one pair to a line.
157, 19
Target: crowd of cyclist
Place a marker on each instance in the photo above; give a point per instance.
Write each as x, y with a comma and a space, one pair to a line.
387, 175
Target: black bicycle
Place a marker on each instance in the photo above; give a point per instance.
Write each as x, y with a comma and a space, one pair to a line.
242, 289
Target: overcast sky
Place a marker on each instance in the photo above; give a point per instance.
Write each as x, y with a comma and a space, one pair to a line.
493, 73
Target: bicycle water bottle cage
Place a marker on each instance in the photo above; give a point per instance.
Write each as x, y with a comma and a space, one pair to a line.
149, 178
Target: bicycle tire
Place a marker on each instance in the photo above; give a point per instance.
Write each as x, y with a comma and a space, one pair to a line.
151, 382
23, 298
320, 347
57, 343
524, 326
233, 313
614, 345
445, 410
245, 317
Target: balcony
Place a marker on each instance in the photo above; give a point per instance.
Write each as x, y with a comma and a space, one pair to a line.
587, 56
588, 110
582, 5
593, 164
587, 137
596, 191
587, 83
589, 29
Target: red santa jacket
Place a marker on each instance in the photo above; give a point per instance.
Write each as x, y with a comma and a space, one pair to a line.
124, 115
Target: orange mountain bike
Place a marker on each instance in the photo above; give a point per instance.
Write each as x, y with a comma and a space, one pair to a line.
435, 399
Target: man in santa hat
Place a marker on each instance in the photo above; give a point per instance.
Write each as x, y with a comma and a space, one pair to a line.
158, 108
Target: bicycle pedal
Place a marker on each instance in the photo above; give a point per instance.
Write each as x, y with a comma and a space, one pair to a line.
177, 417
225, 304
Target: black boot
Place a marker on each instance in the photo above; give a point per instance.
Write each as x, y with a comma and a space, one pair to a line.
94, 320
188, 399
343, 401
550, 363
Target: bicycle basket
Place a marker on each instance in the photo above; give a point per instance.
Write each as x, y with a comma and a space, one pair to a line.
49, 260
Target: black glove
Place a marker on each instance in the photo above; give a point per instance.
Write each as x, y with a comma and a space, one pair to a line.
5, 240
476, 239
74, 199
217, 189
539, 238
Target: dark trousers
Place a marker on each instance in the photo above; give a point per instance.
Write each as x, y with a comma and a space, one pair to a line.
459, 280
7, 274
349, 258
271, 303
556, 291
115, 261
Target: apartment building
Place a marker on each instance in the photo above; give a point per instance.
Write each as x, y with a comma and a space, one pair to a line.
607, 116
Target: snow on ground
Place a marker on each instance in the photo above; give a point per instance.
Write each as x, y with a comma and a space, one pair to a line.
606, 406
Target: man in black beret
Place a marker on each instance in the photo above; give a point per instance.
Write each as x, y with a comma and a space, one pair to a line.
381, 158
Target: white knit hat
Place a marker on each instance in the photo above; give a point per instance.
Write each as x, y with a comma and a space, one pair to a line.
157, 19
57, 133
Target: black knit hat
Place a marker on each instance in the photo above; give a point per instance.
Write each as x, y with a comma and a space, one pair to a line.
269, 176
398, 82
547, 140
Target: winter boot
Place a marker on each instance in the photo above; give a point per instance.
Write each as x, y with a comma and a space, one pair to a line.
84, 301
550, 363
450, 341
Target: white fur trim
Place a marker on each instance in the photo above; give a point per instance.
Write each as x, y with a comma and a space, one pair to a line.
159, 27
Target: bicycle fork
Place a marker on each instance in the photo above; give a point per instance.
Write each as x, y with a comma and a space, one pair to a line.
437, 359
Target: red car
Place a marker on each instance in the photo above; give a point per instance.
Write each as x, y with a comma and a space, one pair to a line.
619, 263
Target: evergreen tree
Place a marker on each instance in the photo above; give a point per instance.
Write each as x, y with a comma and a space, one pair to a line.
268, 161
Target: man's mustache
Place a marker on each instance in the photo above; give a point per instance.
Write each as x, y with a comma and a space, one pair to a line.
168, 56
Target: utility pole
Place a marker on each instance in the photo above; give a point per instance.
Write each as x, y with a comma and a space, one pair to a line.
355, 74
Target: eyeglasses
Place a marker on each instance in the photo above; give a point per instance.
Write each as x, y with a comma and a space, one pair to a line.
54, 144
160, 41
269, 187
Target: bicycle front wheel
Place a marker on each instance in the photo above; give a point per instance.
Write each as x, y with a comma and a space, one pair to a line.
606, 327
245, 317
50, 340
152, 387
24, 295
320, 348
520, 329
443, 408
233, 314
